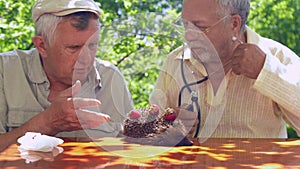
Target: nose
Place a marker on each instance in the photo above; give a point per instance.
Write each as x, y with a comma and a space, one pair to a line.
193, 34
85, 56
189, 36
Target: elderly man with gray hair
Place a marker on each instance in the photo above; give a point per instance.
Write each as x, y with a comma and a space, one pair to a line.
238, 83
60, 87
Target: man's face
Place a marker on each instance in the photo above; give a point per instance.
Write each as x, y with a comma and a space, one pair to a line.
72, 53
202, 14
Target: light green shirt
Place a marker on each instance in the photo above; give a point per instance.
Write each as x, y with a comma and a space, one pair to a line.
24, 89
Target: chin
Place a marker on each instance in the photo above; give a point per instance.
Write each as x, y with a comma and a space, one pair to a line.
81, 79
80, 75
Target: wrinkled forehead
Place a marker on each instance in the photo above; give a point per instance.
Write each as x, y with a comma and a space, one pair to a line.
66, 32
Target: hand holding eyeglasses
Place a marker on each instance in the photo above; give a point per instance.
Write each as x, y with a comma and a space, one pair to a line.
248, 59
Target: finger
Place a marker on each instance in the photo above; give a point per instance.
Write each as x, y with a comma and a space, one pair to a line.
76, 88
239, 50
191, 130
236, 63
236, 59
236, 69
181, 108
85, 102
190, 123
184, 114
242, 47
90, 119
188, 118
72, 91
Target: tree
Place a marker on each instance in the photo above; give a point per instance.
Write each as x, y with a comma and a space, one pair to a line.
16, 27
278, 20
137, 40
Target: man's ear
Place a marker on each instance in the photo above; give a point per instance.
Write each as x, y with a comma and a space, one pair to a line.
41, 45
236, 23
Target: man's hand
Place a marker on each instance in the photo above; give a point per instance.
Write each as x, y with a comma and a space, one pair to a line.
68, 113
189, 120
248, 59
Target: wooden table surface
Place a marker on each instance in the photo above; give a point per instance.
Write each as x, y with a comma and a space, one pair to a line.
211, 154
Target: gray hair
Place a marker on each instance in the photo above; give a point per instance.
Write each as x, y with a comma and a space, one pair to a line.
240, 7
46, 25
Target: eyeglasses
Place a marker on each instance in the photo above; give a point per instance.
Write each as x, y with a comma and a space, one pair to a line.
183, 24
207, 29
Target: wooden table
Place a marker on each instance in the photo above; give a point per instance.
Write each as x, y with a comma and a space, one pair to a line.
211, 154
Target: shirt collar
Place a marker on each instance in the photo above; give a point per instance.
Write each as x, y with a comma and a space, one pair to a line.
94, 76
36, 72
186, 55
183, 51
252, 37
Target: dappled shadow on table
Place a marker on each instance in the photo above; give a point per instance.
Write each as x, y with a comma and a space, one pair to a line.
214, 153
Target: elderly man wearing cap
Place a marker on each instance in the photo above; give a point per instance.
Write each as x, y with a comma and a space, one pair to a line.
56, 88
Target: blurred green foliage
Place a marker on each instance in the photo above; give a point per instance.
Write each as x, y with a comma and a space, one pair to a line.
278, 20
16, 27
137, 35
